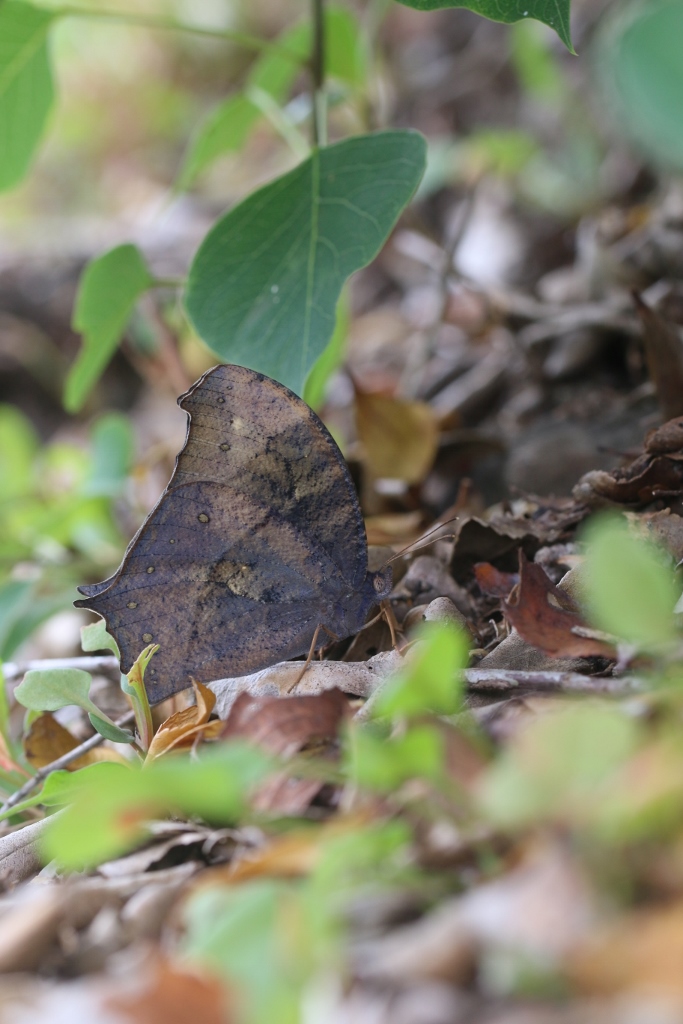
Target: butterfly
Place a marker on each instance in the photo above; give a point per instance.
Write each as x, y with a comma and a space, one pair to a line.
256, 545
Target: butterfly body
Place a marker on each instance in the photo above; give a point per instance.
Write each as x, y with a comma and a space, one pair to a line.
257, 540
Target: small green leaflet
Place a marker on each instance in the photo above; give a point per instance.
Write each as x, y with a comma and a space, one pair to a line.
109, 730
26, 86
52, 689
94, 637
264, 286
554, 13
630, 588
55, 688
109, 288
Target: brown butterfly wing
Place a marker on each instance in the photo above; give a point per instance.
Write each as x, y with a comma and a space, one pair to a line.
256, 540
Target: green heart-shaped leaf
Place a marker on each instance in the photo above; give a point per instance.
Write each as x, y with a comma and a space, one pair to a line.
264, 286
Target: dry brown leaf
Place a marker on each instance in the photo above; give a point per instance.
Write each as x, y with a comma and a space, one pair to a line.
182, 728
47, 740
546, 626
291, 856
667, 438
400, 438
641, 952
285, 725
174, 995
393, 528
664, 528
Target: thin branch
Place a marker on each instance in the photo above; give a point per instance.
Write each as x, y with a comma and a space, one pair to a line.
106, 664
243, 39
61, 762
318, 74
478, 679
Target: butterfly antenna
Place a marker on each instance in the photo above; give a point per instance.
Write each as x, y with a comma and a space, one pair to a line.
422, 542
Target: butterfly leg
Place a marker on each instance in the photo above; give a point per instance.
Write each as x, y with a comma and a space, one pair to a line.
388, 614
311, 652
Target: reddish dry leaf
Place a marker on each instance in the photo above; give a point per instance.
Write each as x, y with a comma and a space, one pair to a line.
181, 729
544, 625
399, 438
494, 582
47, 740
174, 995
285, 725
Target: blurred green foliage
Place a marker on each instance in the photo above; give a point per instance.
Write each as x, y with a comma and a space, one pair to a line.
57, 525
639, 64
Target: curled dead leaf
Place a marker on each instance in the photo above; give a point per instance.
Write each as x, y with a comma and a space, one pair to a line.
182, 728
549, 627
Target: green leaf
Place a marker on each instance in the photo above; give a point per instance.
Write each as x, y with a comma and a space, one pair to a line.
18, 447
112, 454
630, 589
555, 767
346, 57
554, 13
55, 688
109, 730
94, 637
264, 286
382, 764
15, 600
243, 932
57, 791
535, 63
108, 290
431, 681
330, 358
225, 130
26, 87
639, 63
108, 812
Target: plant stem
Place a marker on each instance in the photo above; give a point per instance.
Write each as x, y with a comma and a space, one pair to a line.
244, 39
279, 120
61, 762
318, 74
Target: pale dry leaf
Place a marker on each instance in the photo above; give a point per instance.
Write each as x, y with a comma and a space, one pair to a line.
399, 437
